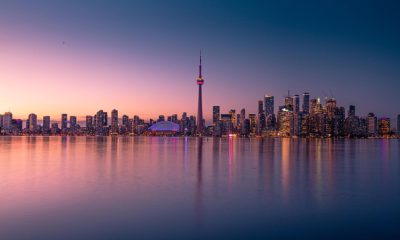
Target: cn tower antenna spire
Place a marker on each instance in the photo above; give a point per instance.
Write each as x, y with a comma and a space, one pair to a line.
200, 73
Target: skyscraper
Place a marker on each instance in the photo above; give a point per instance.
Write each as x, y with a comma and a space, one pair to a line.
232, 112
372, 124
46, 124
296, 103
313, 106
260, 107
200, 82
352, 111
289, 102
330, 107
306, 103
269, 105
7, 121
384, 126
72, 122
89, 124
114, 121
125, 120
64, 122
242, 121
216, 114
32, 122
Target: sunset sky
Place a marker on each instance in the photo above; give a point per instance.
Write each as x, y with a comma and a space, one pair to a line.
141, 57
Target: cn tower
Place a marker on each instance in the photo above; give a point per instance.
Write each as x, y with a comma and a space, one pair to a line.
200, 82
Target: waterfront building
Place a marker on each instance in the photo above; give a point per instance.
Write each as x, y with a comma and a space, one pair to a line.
114, 121
330, 104
227, 126
384, 126
260, 107
101, 123
296, 104
372, 122
253, 123
7, 122
363, 127
165, 128
269, 105
232, 112
243, 129
313, 106
351, 126
297, 123
54, 129
46, 125
261, 121
64, 122
306, 103
216, 114
352, 111
72, 123
32, 123
89, 124
289, 102
285, 122
174, 118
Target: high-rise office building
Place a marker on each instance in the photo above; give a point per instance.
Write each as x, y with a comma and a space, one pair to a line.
372, 122
384, 126
285, 122
242, 121
114, 121
260, 107
200, 82
54, 128
352, 111
32, 122
46, 124
306, 103
1, 120
72, 123
174, 118
253, 123
101, 122
89, 124
330, 107
289, 102
7, 121
296, 104
64, 122
313, 106
268, 105
232, 112
216, 114
125, 120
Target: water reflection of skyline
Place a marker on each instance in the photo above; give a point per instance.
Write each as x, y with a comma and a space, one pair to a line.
210, 178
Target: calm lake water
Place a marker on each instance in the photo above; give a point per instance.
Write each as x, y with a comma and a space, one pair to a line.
189, 188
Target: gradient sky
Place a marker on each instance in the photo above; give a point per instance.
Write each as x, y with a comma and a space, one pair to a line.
141, 57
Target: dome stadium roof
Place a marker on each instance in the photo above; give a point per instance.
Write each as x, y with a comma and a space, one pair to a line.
164, 126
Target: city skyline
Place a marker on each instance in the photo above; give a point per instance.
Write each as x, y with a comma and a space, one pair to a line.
134, 56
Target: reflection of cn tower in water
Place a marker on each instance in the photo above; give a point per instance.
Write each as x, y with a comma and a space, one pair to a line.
199, 187
200, 82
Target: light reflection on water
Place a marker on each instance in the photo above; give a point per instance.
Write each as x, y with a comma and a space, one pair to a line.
169, 188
